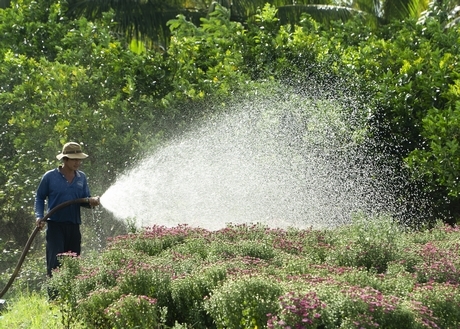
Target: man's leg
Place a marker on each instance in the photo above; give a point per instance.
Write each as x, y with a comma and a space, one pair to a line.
72, 238
54, 245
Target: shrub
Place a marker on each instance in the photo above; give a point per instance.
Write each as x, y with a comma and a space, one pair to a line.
438, 303
369, 308
370, 243
357, 307
438, 263
153, 240
297, 311
189, 292
132, 311
152, 281
91, 309
62, 287
396, 280
223, 287
244, 302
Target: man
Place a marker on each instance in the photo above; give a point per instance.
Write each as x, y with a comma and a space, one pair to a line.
59, 185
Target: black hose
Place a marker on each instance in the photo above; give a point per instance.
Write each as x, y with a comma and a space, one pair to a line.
32, 237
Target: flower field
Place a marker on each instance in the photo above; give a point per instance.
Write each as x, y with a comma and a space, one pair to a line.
372, 273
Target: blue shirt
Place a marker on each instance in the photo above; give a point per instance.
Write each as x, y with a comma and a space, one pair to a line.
55, 187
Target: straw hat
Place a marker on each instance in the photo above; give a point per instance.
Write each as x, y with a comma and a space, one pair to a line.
72, 150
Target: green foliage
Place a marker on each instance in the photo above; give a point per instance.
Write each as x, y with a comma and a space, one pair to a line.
228, 288
437, 262
33, 28
91, 309
297, 310
369, 308
30, 310
153, 240
31, 276
244, 302
190, 292
134, 311
440, 302
9, 258
265, 45
205, 60
440, 162
250, 248
370, 243
63, 289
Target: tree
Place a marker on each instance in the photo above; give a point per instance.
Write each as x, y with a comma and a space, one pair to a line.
374, 12
139, 19
146, 21
447, 12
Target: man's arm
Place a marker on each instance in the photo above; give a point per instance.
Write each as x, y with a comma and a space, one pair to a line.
39, 205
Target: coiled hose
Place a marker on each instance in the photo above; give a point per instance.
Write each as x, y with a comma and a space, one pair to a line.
32, 237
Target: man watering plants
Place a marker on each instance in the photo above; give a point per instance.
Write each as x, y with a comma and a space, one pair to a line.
59, 185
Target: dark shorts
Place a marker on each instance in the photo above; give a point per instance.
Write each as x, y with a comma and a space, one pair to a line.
60, 238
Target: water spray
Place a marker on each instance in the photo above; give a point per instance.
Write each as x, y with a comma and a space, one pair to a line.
304, 157
32, 237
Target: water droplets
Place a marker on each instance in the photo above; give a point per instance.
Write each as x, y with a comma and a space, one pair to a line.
283, 160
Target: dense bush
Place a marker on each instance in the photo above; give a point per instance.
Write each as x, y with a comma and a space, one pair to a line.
133, 311
227, 288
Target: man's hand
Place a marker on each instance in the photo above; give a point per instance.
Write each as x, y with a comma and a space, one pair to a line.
40, 223
94, 201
